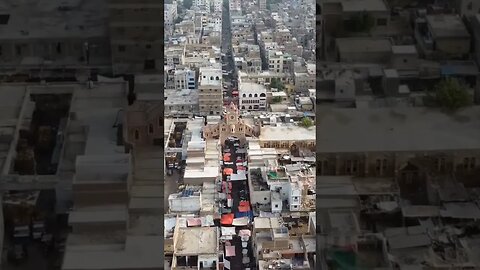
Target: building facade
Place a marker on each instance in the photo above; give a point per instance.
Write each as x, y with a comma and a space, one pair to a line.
232, 125
136, 37
210, 97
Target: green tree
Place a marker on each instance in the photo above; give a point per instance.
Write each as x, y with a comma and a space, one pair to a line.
306, 122
276, 83
451, 95
361, 23
276, 99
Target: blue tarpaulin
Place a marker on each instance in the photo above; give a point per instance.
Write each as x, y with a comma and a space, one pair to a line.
248, 214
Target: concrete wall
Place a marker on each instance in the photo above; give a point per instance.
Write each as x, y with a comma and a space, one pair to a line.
367, 162
185, 204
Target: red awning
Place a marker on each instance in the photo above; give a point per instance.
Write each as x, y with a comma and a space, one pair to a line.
226, 157
227, 219
227, 171
244, 206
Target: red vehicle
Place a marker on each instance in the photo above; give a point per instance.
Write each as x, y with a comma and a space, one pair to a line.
234, 93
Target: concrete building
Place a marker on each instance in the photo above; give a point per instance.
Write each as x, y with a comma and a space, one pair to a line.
379, 156
135, 51
144, 121
442, 37
232, 125
185, 79
476, 36
199, 254
339, 13
252, 96
235, 7
405, 59
44, 36
279, 62
262, 4
181, 102
366, 50
210, 98
169, 16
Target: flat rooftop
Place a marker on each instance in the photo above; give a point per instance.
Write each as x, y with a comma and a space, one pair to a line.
141, 252
287, 133
363, 45
196, 241
360, 5
447, 26
394, 130
53, 19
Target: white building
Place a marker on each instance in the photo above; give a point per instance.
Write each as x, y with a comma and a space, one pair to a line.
217, 6
184, 79
277, 61
252, 96
170, 14
235, 7
202, 4
210, 97
187, 201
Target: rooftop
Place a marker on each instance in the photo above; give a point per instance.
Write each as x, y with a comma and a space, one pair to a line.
360, 5
140, 252
363, 45
54, 19
403, 129
287, 132
196, 241
447, 26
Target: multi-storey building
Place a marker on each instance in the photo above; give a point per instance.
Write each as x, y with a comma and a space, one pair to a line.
184, 79
252, 96
169, 16
45, 36
210, 98
279, 62
136, 35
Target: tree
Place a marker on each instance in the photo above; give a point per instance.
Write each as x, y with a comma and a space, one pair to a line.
451, 95
361, 23
306, 122
276, 83
276, 99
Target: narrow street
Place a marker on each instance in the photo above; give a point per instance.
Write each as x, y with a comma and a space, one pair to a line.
240, 197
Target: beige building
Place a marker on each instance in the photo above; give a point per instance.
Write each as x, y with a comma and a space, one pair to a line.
443, 36
144, 121
403, 143
365, 50
337, 13
136, 29
232, 125
41, 35
210, 96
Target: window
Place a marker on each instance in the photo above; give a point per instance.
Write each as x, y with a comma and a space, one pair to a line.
121, 48
381, 22
148, 46
59, 48
150, 128
18, 50
137, 135
276, 205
